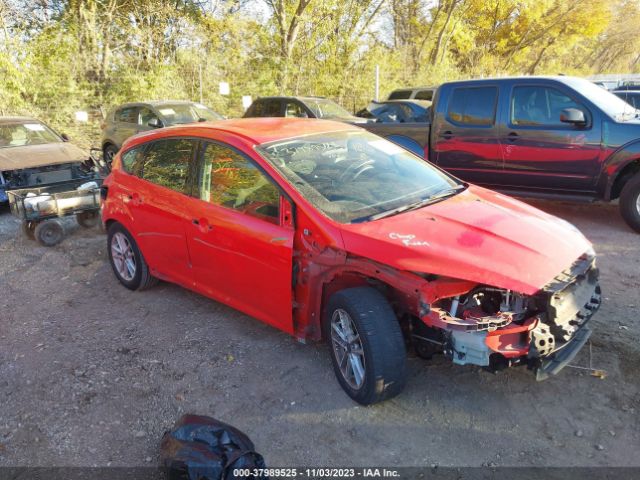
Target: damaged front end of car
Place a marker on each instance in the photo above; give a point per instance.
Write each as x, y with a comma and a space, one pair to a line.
497, 328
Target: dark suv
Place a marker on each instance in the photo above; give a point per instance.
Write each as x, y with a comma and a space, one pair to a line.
131, 118
300, 107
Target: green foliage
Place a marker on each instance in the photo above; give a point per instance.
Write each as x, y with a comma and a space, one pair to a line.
68, 55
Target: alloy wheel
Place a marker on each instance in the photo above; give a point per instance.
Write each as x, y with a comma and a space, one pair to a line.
347, 348
123, 257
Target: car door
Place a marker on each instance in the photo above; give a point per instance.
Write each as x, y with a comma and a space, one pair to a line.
146, 115
155, 193
241, 249
125, 124
466, 134
539, 150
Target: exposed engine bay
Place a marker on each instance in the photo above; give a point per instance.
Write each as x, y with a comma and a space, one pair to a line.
45, 175
497, 328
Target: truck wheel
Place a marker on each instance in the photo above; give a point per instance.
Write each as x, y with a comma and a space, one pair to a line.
127, 261
88, 219
367, 347
49, 232
630, 202
29, 229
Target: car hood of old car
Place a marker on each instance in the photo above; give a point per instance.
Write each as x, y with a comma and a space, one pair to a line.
477, 235
31, 156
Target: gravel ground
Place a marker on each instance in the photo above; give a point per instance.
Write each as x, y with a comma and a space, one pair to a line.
93, 374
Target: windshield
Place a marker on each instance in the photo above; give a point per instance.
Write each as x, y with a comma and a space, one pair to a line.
355, 176
323, 108
26, 133
187, 113
606, 101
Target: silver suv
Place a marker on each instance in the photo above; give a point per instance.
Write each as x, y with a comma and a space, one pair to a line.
131, 118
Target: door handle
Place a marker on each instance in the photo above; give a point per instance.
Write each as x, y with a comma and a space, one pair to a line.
512, 137
447, 135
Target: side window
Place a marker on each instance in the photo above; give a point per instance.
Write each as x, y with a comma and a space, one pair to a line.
231, 180
256, 109
400, 95
145, 116
127, 115
424, 95
474, 106
272, 108
133, 159
166, 163
539, 106
294, 109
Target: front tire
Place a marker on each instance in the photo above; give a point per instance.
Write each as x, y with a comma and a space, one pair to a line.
126, 259
630, 202
367, 348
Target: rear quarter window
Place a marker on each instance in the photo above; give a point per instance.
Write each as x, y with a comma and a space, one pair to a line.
424, 95
473, 106
400, 95
127, 115
132, 159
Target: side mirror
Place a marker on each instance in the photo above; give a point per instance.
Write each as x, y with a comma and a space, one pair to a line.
65, 137
155, 123
573, 116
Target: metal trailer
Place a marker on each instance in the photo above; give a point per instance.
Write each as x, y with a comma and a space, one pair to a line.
40, 208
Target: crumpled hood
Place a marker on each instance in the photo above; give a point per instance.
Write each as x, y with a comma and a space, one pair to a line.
477, 235
30, 156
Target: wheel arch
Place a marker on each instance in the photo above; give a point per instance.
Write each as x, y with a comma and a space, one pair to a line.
354, 278
629, 170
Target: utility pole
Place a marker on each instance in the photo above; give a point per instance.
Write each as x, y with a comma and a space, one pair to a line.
200, 78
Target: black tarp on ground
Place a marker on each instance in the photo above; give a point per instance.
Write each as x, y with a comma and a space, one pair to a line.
202, 448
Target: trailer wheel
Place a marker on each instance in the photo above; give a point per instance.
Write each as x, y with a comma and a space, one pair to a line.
630, 202
88, 219
49, 232
367, 348
29, 228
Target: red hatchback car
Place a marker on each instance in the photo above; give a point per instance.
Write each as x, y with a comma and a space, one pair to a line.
326, 231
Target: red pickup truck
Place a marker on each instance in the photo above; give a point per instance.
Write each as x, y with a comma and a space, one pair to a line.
552, 137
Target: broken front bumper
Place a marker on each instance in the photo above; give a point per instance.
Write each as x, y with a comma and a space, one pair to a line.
552, 364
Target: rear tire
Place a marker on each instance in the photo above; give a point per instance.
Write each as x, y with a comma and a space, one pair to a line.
129, 266
630, 202
372, 345
49, 232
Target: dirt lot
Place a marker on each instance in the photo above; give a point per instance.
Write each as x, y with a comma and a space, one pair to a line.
93, 374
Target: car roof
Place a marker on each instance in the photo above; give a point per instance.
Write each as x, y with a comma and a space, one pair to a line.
567, 79
17, 119
406, 89
420, 103
156, 103
255, 130
285, 97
